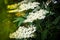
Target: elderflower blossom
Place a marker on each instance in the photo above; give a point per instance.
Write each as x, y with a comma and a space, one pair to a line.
37, 15
23, 32
25, 6
29, 5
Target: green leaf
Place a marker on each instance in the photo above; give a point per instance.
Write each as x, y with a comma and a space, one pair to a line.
44, 34
56, 20
19, 20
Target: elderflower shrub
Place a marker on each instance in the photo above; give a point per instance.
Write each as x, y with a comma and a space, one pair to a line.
37, 15
23, 32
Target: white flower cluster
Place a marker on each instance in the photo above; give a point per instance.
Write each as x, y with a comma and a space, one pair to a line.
23, 32
26, 6
37, 15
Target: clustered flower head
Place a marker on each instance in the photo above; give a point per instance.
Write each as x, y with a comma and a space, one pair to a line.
37, 15
30, 5
23, 32
25, 6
